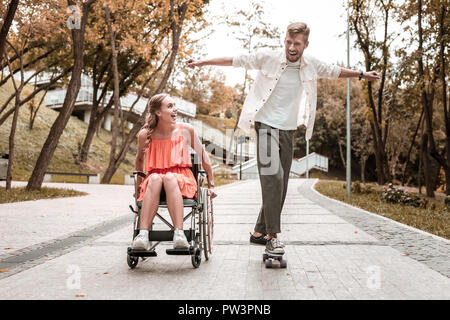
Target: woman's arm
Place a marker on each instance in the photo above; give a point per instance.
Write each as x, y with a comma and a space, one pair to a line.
140, 155
203, 155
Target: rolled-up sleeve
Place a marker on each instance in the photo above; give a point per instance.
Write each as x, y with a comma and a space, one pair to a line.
325, 70
249, 61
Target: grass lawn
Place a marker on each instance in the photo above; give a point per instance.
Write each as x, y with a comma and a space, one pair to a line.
19, 194
434, 219
220, 180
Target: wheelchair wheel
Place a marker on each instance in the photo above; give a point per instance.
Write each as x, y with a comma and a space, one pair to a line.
210, 224
196, 258
204, 222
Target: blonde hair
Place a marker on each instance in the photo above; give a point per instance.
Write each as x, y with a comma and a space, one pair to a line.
151, 121
298, 28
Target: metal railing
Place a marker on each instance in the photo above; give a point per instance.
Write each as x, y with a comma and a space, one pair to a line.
311, 161
298, 167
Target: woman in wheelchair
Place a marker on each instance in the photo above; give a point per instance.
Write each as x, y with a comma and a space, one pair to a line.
164, 144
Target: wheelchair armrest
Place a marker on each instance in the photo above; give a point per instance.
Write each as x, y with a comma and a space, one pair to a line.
140, 173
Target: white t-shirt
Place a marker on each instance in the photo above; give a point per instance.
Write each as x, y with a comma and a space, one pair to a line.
281, 109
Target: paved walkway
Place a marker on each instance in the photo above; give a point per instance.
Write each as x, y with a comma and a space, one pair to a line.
75, 248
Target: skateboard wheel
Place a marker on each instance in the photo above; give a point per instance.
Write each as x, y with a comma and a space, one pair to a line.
283, 263
268, 263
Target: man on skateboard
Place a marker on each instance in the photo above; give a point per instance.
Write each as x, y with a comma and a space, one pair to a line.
283, 96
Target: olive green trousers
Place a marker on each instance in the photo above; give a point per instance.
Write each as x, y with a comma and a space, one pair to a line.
274, 157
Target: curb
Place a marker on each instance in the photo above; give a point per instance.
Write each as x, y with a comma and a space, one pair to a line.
380, 217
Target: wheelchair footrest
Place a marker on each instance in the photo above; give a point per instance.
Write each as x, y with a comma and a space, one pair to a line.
180, 252
141, 253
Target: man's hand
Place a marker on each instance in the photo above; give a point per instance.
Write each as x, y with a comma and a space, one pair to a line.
371, 75
191, 63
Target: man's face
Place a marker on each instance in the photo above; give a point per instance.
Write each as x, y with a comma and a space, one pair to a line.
294, 46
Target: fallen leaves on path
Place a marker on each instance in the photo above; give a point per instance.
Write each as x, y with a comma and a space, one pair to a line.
4, 270
81, 295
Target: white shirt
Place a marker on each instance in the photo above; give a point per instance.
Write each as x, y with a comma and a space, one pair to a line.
281, 109
270, 66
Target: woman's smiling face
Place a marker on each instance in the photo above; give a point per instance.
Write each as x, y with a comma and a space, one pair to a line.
168, 111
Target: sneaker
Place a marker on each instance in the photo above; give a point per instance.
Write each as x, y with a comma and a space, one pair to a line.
179, 240
258, 240
140, 242
274, 246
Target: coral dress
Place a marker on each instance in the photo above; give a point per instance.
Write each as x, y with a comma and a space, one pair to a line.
170, 155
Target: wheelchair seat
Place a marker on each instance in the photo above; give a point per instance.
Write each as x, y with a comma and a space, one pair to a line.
187, 203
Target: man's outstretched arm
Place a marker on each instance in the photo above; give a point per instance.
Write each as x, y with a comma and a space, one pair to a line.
369, 75
224, 61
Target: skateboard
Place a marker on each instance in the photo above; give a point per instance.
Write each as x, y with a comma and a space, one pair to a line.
268, 259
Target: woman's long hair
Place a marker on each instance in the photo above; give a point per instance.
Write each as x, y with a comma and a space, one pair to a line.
151, 121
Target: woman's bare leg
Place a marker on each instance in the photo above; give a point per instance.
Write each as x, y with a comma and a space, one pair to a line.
151, 201
174, 200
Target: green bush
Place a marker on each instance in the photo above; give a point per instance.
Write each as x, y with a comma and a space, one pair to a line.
447, 201
402, 196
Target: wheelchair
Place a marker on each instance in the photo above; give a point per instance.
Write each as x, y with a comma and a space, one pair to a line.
199, 235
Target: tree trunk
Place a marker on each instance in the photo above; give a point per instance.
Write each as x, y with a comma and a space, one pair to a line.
12, 134
410, 148
378, 158
93, 126
37, 176
7, 21
11, 143
33, 113
419, 173
437, 180
427, 166
363, 169
442, 45
427, 98
341, 154
115, 126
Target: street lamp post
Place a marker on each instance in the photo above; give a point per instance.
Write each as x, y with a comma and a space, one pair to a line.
240, 141
348, 173
307, 154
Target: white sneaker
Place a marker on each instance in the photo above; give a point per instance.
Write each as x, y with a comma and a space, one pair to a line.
179, 240
274, 246
141, 242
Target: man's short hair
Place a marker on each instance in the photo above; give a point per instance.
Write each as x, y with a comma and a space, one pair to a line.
298, 28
